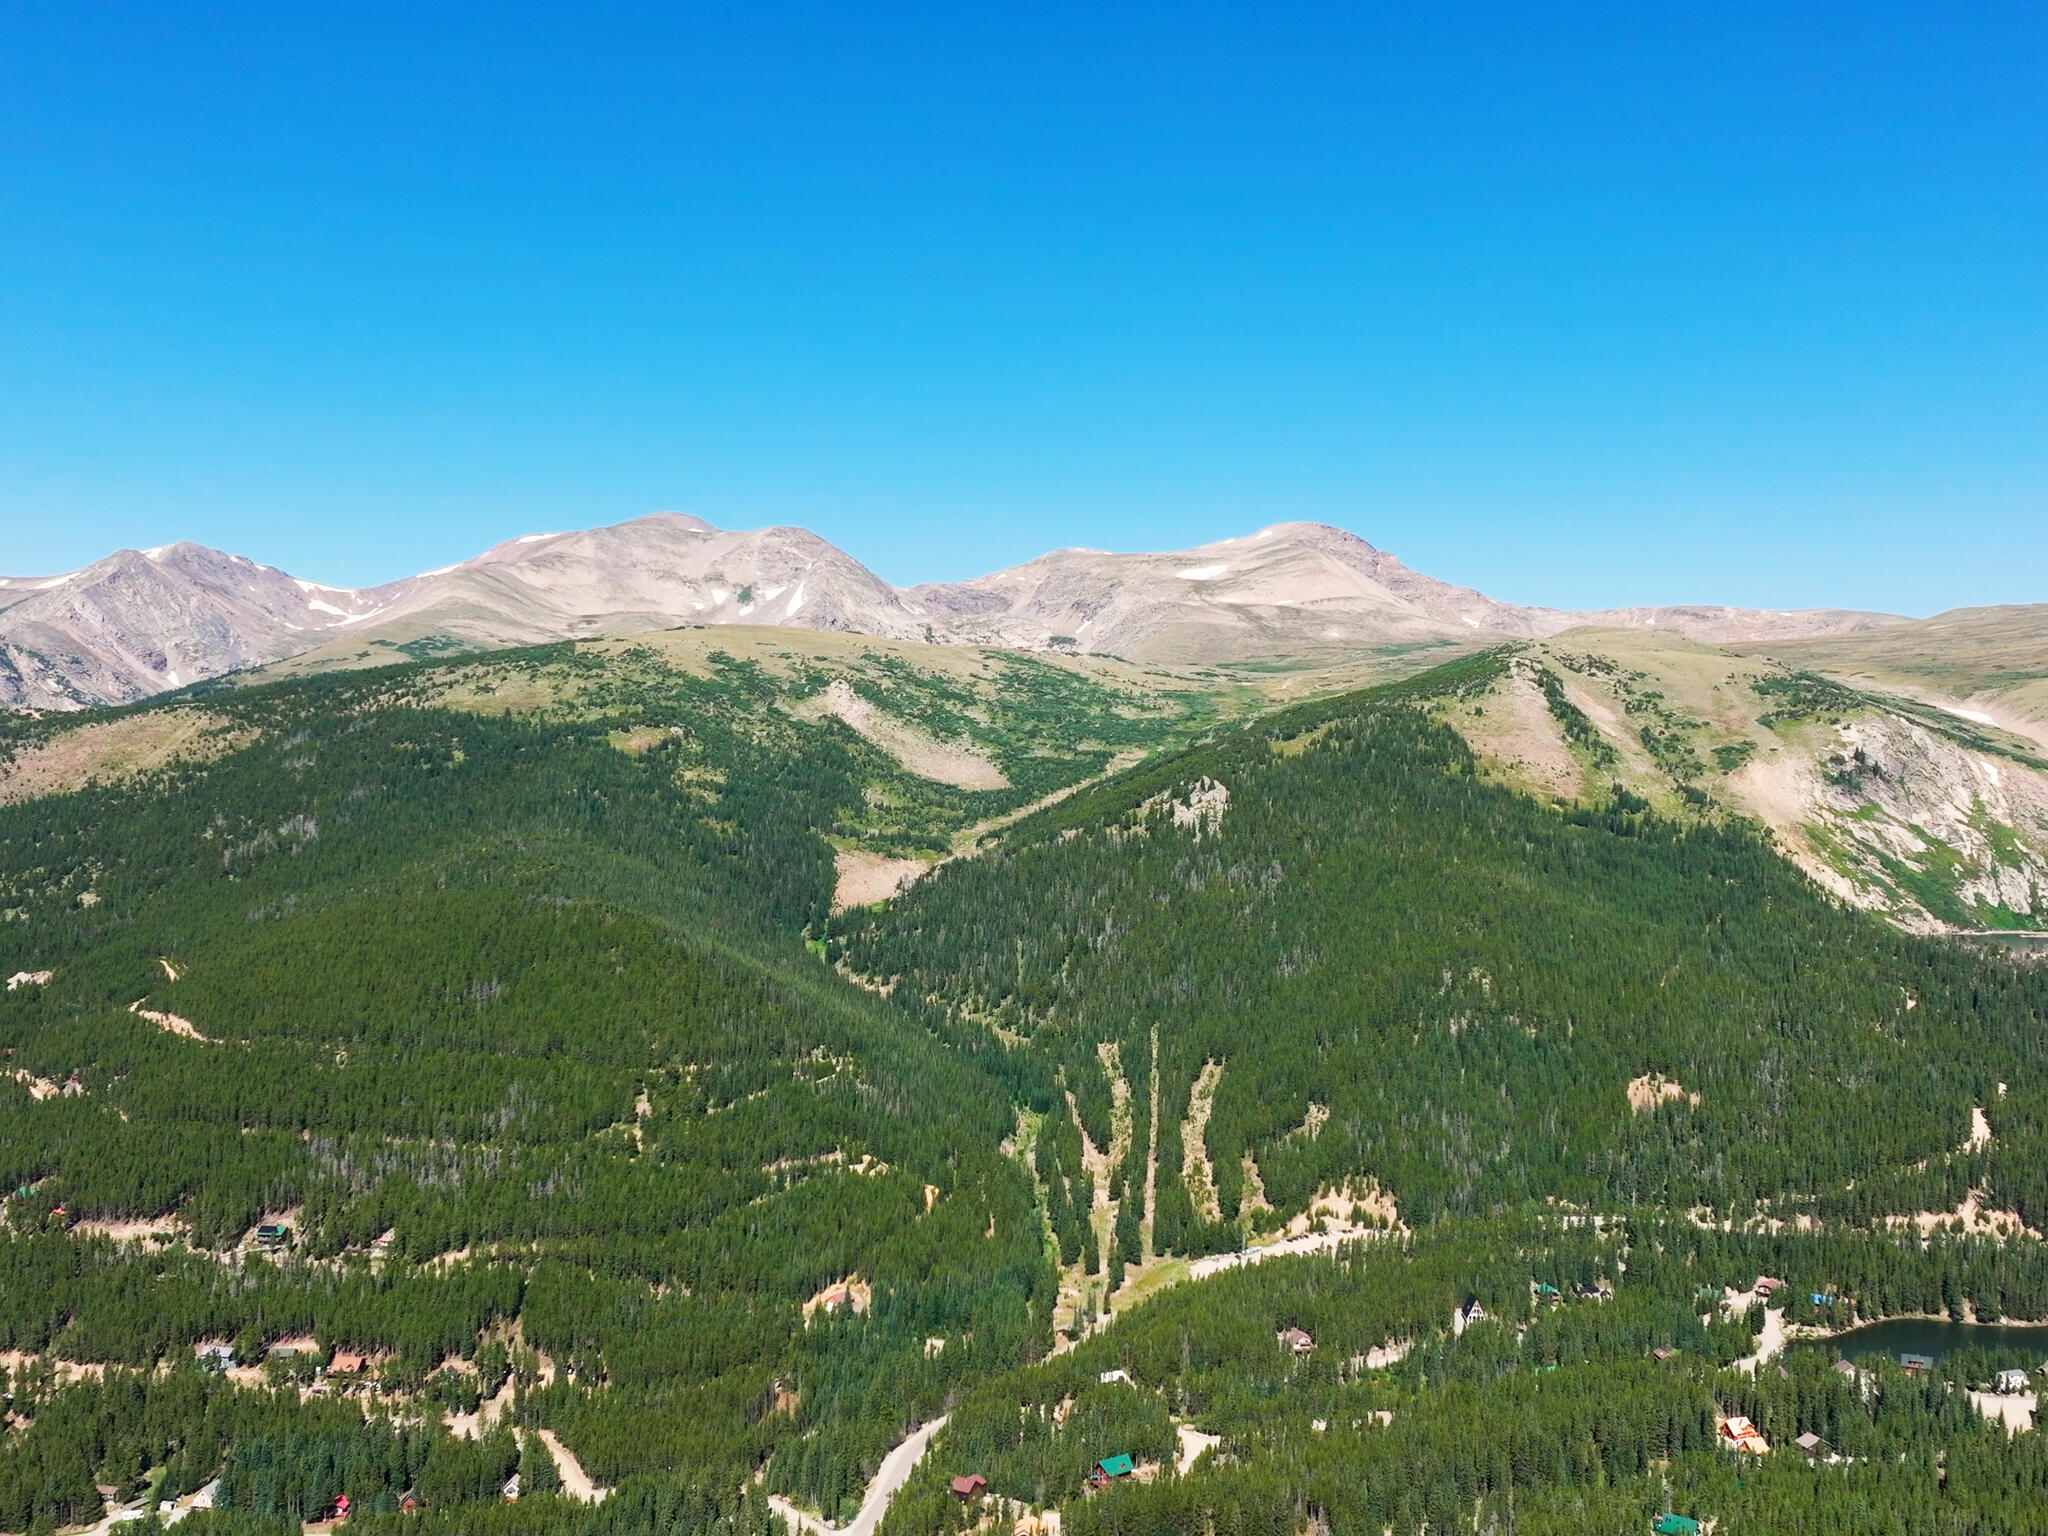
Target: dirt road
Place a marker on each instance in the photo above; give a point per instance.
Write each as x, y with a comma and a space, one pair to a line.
889, 1480
575, 1481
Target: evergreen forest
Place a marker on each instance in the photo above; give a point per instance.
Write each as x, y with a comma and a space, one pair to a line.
467, 1077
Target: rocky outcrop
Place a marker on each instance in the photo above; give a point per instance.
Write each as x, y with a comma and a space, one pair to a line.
1932, 833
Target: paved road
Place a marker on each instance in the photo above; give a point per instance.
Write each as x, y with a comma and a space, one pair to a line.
889, 1480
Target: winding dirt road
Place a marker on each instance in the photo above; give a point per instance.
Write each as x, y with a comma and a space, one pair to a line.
889, 1480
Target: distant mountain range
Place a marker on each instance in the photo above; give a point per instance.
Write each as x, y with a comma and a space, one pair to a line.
141, 622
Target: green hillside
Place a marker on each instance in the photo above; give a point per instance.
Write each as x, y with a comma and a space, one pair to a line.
514, 988
1367, 967
1458, 984
508, 1014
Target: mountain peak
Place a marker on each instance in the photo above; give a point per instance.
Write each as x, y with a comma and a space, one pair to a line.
141, 621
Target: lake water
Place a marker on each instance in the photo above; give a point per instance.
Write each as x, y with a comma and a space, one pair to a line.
1935, 1339
2030, 945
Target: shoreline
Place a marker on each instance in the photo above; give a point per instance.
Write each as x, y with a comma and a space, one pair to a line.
1807, 1333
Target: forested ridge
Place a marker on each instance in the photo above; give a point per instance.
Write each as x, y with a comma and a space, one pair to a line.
536, 1028
517, 1030
1464, 982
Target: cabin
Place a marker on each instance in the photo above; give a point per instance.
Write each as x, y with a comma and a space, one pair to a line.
345, 1362
511, 1489
1914, 1365
1676, 1525
1767, 1285
216, 1357
1114, 1375
1821, 1299
1547, 1292
1589, 1293
1472, 1312
1662, 1352
1845, 1368
969, 1488
338, 1510
1109, 1469
2014, 1380
1295, 1341
273, 1235
1812, 1446
1738, 1434
408, 1502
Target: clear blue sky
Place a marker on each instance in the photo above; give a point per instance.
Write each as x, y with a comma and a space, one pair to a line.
1577, 304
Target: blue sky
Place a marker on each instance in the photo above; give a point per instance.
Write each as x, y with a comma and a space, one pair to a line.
1580, 305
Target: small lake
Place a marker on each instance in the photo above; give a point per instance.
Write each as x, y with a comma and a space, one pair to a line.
2031, 945
1934, 1338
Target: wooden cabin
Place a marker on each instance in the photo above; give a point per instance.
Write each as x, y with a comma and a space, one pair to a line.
1109, 1470
1738, 1434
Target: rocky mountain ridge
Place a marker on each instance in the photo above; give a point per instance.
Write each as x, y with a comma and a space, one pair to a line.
143, 622
1928, 814
1301, 590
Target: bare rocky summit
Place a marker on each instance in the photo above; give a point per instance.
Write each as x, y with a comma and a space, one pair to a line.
140, 623
651, 573
1295, 589
143, 621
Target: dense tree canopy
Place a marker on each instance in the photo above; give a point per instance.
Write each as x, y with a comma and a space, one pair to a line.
537, 1030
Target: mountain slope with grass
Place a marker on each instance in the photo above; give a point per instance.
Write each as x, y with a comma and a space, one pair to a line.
1935, 817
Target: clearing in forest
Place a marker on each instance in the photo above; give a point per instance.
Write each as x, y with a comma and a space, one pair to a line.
1101, 1165
1645, 1093
1146, 1249
860, 879
171, 1023
1195, 1170
960, 763
853, 1293
111, 751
